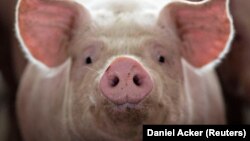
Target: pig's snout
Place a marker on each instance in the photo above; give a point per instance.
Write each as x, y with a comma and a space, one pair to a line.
125, 82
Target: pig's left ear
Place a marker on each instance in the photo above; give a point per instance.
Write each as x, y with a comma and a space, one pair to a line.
204, 28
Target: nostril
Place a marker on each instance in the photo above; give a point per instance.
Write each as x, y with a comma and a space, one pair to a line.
114, 81
137, 80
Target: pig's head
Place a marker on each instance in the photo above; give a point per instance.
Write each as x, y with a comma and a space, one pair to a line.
126, 60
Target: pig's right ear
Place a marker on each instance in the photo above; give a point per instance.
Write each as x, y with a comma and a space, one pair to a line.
45, 28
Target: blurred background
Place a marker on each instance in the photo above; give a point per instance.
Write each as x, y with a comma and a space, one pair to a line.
233, 72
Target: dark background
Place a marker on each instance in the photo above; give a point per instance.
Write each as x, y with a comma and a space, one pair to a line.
234, 71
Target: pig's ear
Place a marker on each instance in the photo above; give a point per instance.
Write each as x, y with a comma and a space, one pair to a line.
45, 28
204, 28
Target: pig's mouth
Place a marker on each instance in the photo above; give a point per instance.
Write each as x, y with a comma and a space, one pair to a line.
125, 106
122, 121
127, 118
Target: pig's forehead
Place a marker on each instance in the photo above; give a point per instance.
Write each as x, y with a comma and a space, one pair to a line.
107, 12
125, 24
120, 5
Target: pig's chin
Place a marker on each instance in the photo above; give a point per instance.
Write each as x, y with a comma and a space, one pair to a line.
126, 120
127, 113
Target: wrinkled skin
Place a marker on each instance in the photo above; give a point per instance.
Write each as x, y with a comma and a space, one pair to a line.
65, 102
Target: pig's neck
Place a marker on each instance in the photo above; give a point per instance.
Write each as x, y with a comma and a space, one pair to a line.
202, 87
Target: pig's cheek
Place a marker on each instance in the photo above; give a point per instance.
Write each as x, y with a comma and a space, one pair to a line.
86, 96
82, 108
166, 97
77, 71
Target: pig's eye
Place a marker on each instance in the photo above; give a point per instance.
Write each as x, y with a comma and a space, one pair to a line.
88, 60
161, 59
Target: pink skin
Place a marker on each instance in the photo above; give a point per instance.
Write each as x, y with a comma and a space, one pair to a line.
81, 99
125, 81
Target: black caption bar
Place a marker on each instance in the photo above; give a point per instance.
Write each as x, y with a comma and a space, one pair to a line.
196, 132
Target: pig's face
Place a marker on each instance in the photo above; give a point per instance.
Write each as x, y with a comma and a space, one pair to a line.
95, 56
126, 63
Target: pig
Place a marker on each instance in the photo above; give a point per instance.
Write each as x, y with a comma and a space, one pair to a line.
99, 70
